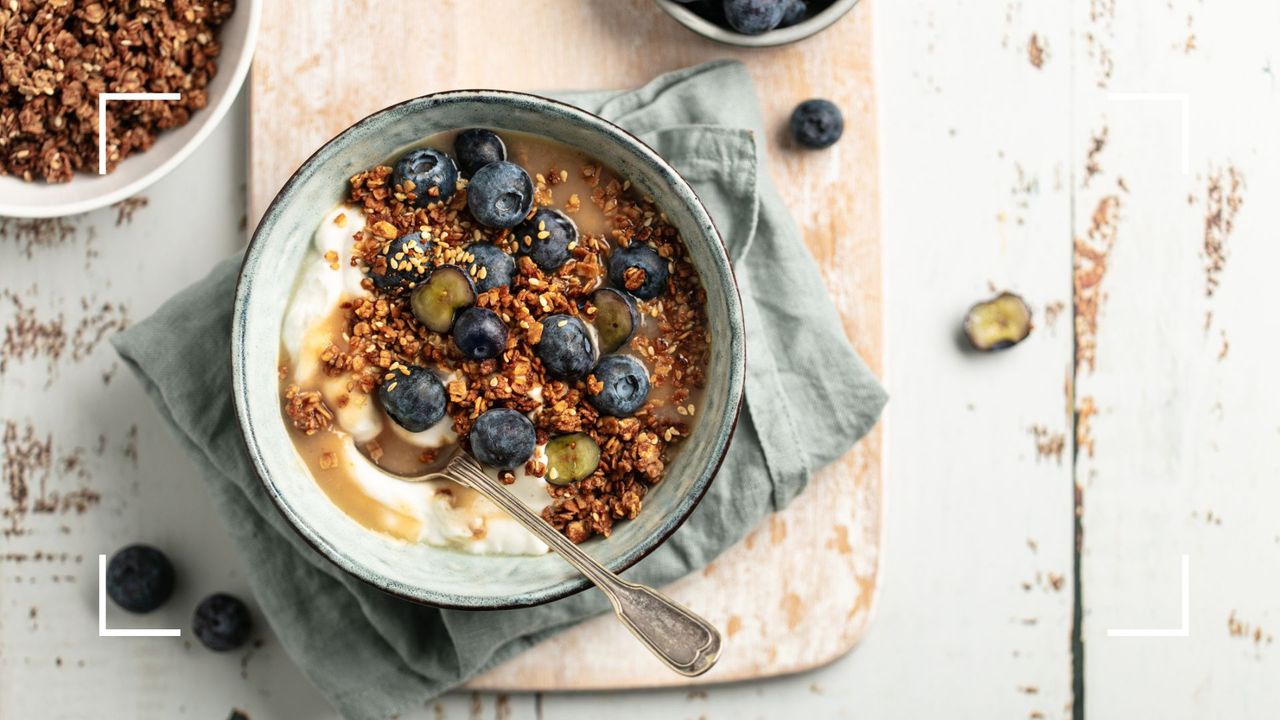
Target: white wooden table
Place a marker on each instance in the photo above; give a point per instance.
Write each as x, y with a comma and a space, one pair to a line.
1039, 147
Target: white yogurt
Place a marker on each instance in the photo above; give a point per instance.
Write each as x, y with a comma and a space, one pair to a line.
476, 526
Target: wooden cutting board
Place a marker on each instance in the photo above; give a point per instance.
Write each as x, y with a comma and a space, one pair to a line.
798, 591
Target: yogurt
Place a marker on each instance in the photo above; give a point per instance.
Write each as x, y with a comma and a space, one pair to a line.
446, 514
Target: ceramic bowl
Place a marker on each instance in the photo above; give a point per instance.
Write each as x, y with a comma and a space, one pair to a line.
419, 572
88, 191
781, 36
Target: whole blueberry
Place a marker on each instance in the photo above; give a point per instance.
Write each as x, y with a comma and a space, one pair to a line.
222, 622
817, 123
408, 263
140, 578
796, 11
639, 270
490, 267
500, 194
565, 348
752, 17
545, 238
479, 333
476, 148
624, 386
416, 400
426, 168
503, 438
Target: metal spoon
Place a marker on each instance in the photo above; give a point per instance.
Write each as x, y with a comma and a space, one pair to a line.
684, 641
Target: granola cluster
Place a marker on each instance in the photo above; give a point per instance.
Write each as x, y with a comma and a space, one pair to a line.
381, 334
58, 55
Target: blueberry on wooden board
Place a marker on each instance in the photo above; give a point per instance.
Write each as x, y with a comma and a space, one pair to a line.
817, 123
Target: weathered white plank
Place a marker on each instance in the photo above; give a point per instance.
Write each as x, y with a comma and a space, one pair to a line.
1186, 439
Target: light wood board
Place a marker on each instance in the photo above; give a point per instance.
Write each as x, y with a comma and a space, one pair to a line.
799, 591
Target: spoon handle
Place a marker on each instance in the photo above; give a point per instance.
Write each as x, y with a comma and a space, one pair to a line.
684, 641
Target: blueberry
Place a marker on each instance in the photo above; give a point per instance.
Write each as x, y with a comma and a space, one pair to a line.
615, 319
817, 123
490, 267
476, 148
437, 300
415, 401
797, 11
571, 458
426, 168
479, 333
140, 578
222, 622
500, 194
408, 262
565, 347
752, 17
639, 270
503, 438
624, 386
545, 238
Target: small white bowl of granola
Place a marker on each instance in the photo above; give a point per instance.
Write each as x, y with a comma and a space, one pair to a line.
55, 96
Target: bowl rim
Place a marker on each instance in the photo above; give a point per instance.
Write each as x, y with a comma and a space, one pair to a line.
772, 38
578, 583
212, 117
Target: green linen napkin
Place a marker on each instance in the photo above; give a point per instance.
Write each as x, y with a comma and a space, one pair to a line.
809, 397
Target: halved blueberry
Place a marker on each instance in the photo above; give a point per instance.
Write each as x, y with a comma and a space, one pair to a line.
479, 333
490, 267
433, 174
565, 347
624, 386
503, 438
817, 123
222, 622
408, 262
545, 238
615, 320
440, 296
571, 458
140, 578
413, 397
500, 194
639, 270
476, 148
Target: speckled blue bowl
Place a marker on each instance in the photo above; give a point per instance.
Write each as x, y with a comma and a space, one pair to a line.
433, 575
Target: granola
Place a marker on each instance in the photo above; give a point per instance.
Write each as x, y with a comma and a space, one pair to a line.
376, 338
58, 55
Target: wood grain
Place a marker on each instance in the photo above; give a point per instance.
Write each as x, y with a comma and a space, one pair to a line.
812, 569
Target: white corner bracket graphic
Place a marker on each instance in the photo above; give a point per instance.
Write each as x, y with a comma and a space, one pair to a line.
1183, 100
1184, 630
103, 630
102, 118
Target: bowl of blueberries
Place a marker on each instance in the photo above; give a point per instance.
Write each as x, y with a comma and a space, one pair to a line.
756, 23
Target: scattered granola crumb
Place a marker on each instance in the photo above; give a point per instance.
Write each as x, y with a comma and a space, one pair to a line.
1036, 51
1048, 445
1090, 266
127, 207
1222, 201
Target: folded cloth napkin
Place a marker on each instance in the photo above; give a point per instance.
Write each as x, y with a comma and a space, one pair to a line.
809, 397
